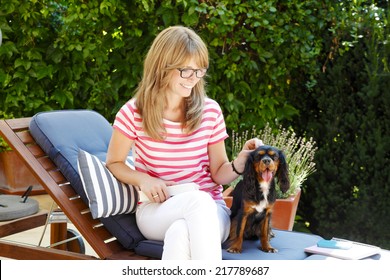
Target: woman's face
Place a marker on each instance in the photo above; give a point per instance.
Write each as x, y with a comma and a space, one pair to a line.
182, 87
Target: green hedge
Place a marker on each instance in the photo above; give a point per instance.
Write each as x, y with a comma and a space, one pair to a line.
349, 115
78, 54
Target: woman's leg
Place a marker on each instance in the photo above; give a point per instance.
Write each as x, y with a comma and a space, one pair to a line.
177, 242
224, 220
191, 225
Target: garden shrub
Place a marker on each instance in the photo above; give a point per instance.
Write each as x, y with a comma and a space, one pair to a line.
348, 114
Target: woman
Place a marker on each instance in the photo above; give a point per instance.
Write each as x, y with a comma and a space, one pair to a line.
177, 135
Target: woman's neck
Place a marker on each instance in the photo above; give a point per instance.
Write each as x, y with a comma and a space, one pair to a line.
174, 111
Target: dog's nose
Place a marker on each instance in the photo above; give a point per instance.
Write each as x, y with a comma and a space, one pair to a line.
266, 161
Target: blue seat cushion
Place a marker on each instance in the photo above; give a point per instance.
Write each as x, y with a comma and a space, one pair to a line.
61, 134
290, 246
150, 248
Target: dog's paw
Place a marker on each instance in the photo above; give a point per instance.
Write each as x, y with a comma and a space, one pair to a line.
269, 250
234, 250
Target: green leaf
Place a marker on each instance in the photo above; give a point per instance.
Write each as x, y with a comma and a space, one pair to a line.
44, 71
273, 10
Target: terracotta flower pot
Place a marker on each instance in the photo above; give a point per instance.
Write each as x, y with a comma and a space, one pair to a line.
283, 214
15, 177
284, 211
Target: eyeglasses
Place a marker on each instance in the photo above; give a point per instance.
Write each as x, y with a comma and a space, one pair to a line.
187, 73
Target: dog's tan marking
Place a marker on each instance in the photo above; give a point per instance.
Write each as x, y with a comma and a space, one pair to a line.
271, 153
238, 238
265, 232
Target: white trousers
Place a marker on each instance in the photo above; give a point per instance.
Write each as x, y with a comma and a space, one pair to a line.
192, 225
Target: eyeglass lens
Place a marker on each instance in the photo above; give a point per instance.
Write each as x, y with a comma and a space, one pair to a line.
188, 72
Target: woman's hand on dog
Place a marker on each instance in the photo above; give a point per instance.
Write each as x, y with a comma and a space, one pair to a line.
252, 144
242, 156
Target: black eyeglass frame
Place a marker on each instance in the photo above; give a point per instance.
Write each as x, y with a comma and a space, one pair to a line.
202, 71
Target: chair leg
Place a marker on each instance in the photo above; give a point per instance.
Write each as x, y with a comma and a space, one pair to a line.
58, 232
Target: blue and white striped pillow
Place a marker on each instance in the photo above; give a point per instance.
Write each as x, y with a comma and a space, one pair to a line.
107, 195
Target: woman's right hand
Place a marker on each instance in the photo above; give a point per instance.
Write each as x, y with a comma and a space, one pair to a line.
155, 189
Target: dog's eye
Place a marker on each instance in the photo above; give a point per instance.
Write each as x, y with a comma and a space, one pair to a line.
273, 155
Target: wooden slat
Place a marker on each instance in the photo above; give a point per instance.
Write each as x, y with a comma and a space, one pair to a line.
78, 205
58, 177
68, 190
36, 150
103, 233
46, 163
22, 252
25, 137
19, 124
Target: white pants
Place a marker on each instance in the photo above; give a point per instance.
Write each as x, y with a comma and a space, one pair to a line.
192, 225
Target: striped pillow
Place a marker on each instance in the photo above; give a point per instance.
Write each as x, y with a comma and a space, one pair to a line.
107, 196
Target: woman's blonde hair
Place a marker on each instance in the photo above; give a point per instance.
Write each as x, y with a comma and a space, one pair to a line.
171, 49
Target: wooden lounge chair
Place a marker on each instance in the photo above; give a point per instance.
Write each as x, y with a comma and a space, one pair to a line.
16, 133
109, 237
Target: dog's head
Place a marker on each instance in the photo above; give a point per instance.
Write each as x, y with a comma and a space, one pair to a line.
264, 164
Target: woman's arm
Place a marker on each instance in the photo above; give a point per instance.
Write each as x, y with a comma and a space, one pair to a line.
117, 153
220, 167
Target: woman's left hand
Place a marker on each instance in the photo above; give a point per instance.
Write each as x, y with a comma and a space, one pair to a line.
248, 147
252, 144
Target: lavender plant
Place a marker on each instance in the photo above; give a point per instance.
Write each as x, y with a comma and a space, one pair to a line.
299, 152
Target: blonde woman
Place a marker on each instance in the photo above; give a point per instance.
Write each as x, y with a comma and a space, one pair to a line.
177, 135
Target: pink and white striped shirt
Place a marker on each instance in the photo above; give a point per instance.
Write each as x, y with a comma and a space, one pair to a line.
180, 157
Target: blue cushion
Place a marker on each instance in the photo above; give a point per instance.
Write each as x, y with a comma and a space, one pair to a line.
290, 246
61, 134
291, 249
150, 248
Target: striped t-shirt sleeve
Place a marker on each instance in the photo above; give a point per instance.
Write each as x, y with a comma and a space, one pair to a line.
219, 130
127, 120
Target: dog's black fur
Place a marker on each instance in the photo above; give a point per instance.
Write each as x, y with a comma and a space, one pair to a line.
254, 197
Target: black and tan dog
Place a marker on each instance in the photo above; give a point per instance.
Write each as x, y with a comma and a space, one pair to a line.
254, 197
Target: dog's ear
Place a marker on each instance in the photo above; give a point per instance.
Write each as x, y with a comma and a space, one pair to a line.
249, 175
282, 173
